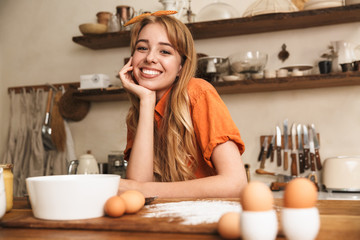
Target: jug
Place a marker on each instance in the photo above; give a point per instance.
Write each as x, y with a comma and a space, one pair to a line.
86, 164
124, 14
2, 195
347, 52
177, 5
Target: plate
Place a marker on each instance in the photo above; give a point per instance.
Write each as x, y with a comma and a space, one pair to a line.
301, 67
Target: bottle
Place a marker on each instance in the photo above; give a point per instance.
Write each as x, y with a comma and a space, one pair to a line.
8, 182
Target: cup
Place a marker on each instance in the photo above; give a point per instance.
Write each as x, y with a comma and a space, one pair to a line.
269, 73
325, 67
356, 65
346, 67
103, 17
282, 73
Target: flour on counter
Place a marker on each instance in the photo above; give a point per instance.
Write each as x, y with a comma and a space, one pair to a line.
193, 212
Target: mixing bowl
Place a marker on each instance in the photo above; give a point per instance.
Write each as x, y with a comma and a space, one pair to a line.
70, 197
212, 68
248, 62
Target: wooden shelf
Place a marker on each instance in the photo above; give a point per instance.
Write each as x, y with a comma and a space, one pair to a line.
247, 86
240, 26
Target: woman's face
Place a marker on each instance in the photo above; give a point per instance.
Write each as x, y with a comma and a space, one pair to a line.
156, 62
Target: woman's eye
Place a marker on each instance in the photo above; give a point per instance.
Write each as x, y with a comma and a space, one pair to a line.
165, 52
141, 48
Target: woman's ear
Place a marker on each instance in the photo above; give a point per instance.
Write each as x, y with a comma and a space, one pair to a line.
180, 67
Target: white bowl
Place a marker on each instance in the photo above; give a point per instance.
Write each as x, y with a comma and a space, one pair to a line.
70, 197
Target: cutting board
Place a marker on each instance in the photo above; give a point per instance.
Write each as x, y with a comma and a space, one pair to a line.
23, 218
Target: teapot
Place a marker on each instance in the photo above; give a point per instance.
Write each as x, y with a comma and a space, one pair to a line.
86, 164
177, 5
2, 194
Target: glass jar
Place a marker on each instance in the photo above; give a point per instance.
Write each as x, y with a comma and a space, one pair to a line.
8, 181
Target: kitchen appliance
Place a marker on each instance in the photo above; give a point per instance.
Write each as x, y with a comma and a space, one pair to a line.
71, 197
342, 173
92, 81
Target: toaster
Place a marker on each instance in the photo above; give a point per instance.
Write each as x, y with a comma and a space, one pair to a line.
342, 174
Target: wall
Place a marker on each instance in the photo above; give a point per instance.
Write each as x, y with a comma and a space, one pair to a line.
36, 48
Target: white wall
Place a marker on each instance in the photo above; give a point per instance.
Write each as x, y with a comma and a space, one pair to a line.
36, 48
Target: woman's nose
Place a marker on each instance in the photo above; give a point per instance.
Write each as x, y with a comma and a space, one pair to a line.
151, 57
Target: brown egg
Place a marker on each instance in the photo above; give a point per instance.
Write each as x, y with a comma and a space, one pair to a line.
229, 225
300, 193
134, 200
115, 206
257, 197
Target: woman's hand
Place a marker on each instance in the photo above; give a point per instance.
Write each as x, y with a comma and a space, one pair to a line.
130, 84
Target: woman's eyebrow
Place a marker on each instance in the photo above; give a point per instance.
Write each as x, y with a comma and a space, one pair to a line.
160, 43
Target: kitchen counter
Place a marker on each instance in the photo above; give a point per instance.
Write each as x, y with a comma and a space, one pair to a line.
328, 195
340, 219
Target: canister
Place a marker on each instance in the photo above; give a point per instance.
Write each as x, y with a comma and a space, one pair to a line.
8, 181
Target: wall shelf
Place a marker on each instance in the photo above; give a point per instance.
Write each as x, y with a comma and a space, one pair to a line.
247, 86
240, 26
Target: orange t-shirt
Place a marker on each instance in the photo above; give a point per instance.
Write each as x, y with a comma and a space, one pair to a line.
211, 119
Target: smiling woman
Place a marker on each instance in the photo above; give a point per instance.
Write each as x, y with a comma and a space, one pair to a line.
181, 139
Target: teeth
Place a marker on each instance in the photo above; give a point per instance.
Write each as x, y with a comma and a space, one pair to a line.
151, 72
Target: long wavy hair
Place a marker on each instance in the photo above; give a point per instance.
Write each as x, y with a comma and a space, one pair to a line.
175, 147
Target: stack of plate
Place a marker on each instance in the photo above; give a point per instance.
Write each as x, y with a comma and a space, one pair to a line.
316, 4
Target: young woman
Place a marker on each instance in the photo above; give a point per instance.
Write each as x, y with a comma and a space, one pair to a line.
181, 139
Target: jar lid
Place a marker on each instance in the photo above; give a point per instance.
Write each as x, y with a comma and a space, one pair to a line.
7, 165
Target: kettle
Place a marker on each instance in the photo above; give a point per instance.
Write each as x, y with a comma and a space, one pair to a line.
347, 52
86, 164
2, 194
177, 5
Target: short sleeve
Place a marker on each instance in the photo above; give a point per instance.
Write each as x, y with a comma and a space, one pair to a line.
212, 121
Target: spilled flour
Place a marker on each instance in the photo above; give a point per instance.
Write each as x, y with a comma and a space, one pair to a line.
192, 212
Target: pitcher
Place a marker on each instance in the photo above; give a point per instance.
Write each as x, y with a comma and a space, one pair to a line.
177, 5
124, 14
2, 195
86, 164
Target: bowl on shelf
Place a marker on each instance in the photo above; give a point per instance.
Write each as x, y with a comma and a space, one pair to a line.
212, 68
248, 62
92, 28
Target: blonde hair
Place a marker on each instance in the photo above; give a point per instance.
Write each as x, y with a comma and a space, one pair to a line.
175, 145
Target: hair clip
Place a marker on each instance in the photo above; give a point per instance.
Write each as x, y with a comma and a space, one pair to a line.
142, 16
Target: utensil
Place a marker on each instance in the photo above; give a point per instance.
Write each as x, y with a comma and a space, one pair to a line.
46, 129
286, 144
312, 149
317, 147
270, 151
293, 151
263, 153
278, 146
71, 197
281, 177
306, 147
300, 149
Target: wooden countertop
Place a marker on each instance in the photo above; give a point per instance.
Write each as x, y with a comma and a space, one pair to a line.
340, 219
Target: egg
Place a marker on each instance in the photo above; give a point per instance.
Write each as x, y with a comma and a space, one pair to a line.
115, 206
229, 225
300, 193
134, 200
257, 197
